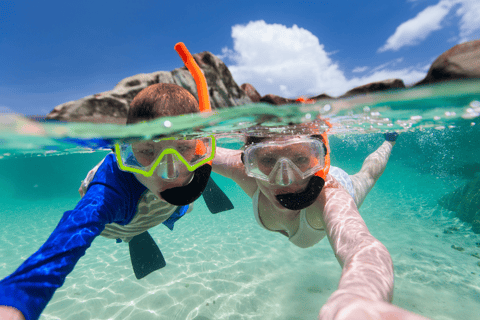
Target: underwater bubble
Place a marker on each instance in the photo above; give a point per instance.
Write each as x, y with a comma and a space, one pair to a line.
327, 107
475, 104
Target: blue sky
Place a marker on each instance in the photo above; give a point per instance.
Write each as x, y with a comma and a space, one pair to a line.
56, 51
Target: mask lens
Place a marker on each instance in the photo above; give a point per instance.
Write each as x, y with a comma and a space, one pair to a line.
305, 157
144, 156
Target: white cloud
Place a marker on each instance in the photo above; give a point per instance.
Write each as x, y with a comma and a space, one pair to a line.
417, 29
292, 57
291, 62
360, 69
469, 24
408, 75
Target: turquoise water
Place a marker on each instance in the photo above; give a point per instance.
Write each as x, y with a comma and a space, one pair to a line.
226, 266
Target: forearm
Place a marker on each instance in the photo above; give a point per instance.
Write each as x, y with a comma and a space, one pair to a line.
368, 271
227, 162
366, 263
33, 284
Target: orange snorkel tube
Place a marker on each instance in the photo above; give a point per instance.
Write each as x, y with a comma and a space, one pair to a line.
184, 195
200, 81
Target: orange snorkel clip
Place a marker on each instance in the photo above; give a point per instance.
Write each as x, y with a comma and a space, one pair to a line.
323, 172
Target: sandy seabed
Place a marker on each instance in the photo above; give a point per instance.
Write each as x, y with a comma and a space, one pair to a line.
225, 266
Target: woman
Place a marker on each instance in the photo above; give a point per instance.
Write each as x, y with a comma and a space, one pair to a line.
296, 193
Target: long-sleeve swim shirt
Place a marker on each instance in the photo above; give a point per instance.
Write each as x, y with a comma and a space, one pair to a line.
112, 196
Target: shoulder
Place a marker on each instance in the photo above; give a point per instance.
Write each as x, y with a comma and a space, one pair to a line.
110, 176
332, 197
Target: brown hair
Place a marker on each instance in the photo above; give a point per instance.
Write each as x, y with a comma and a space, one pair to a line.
161, 100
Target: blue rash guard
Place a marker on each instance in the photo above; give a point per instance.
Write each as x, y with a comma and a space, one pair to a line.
112, 196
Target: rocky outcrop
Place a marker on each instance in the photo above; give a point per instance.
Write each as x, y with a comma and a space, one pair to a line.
376, 86
322, 96
251, 92
460, 62
276, 100
112, 106
465, 202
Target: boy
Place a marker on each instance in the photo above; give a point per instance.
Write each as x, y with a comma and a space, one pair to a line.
162, 174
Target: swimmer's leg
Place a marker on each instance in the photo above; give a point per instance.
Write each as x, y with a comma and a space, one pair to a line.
372, 169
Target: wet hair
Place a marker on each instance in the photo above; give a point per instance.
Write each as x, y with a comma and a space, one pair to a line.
161, 100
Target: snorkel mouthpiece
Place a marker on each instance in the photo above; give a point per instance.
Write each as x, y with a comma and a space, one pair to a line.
181, 196
304, 199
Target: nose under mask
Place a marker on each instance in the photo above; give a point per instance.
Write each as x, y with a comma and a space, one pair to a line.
282, 174
168, 168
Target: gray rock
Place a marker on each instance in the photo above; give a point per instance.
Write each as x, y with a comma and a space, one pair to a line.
460, 62
376, 86
322, 96
276, 100
251, 92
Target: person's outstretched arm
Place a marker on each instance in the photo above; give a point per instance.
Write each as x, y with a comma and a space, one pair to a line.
111, 197
365, 290
372, 168
228, 163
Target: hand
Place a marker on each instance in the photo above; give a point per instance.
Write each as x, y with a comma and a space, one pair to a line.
345, 306
391, 136
10, 313
82, 190
84, 184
